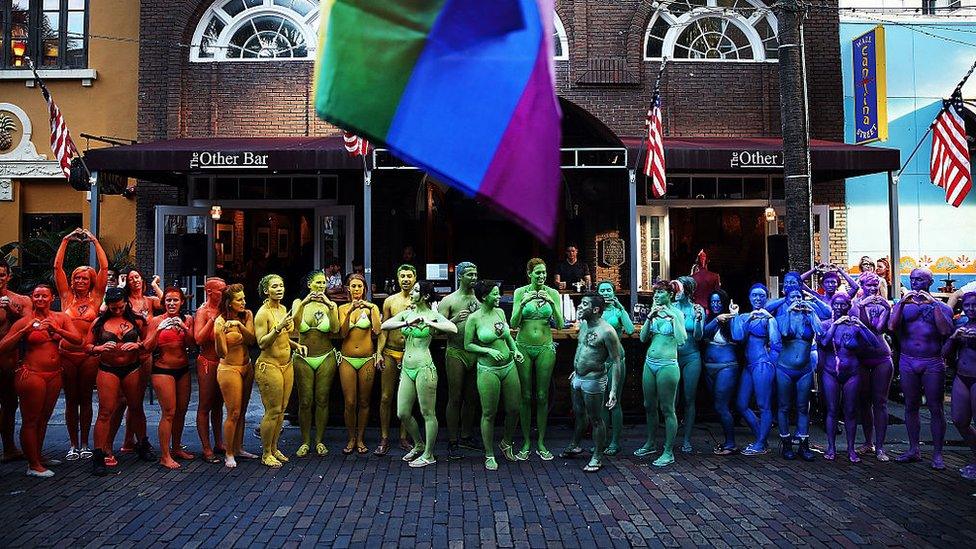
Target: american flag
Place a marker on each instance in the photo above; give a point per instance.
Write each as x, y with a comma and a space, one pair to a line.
61, 143
950, 168
654, 159
355, 145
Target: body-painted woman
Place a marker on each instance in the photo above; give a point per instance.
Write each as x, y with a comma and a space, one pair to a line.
81, 297
689, 354
210, 408
876, 365
233, 333
418, 380
793, 281
758, 332
38, 381
960, 356
830, 278
722, 364
169, 335
116, 337
273, 371
921, 324
798, 326
665, 330
461, 365
617, 317
390, 350
843, 343
318, 320
487, 336
359, 322
13, 307
535, 306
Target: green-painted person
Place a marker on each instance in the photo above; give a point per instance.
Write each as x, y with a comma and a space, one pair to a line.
461, 365
535, 307
596, 374
619, 319
488, 337
418, 378
689, 354
317, 321
665, 330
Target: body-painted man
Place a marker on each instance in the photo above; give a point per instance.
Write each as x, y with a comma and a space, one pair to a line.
418, 382
619, 319
209, 412
960, 356
922, 323
535, 306
722, 364
689, 354
877, 368
596, 374
706, 282
488, 336
664, 329
843, 343
461, 365
798, 325
758, 332
390, 350
13, 306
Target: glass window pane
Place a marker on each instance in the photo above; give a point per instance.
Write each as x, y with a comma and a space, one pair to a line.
703, 187
226, 188
303, 7
76, 4
208, 44
252, 188
279, 188
679, 187
776, 183
268, 37
305, 188
52, 5
334, 240
755, 187
729, 187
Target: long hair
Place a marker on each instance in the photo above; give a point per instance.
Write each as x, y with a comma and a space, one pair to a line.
426, 289
226, 297
115, 295
128, 287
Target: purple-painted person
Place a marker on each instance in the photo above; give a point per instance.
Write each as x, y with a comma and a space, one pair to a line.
830, 278
877, 368
921, 324
758, 333
842, 345
960, 355
798, 325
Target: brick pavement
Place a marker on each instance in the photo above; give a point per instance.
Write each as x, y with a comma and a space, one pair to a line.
344, 501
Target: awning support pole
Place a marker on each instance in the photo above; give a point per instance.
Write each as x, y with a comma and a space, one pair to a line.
95, 213
895, 242
367, 228
632, 218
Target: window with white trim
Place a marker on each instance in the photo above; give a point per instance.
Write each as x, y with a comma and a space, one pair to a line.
560, 40
712, 30
257, 30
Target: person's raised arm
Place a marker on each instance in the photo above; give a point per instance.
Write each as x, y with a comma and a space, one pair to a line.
60, 278
626, 324
151, 337
950, 349
517, 306
101, 277
896, 312
395, 323
248, 332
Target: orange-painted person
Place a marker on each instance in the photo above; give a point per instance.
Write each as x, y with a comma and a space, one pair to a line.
81, 297
13, 307
359, 323
38, 381
170, 334
233, 334
116, 338
210, 413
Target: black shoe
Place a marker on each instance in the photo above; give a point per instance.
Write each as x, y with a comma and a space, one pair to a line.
804, 450
454, 451
98, 463
787, 448
471, 443
145, 450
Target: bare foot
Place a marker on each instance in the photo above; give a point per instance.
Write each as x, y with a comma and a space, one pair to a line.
247, 455
169, 463
229, 461
180, 453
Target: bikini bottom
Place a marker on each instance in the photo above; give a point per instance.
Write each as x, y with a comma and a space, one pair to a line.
501, 372
120, 371
177, 373
358, 362
590, 386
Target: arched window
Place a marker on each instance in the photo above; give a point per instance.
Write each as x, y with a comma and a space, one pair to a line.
712, 30
256, 30
560, 41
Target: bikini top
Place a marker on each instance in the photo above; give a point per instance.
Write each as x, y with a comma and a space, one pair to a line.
364, 321
132, 336
416, 331
493, 333
662, 326
171, 336
82, 311
37, 337
533, 311
322, 326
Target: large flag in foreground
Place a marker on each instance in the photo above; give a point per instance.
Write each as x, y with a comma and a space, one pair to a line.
463, 89
949, 167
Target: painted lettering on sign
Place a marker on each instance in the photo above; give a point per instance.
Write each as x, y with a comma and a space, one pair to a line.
870, 94
217, 160
612, 252
756, 159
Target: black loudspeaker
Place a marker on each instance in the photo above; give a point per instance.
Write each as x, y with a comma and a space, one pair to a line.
191, 256
779, 256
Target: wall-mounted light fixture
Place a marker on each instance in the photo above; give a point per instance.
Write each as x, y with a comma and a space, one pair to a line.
770, 214
216, 212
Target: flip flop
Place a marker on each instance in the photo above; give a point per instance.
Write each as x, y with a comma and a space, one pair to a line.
570, 453
362, 449
350, 448
644, 452
383, 448
546, 455
422, 462
592, 468
213, 458
723, 451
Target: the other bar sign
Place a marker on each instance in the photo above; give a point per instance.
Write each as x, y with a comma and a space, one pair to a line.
870, 94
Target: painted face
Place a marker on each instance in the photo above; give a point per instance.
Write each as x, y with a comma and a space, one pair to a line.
237, 302
969, 308
758, 298
470, 276
571, 254
116, 308
871, 286
790, 283
173, 302
493, 297
920, 280
538, 274
41, 298
606, 290
356, 288
415, 297
661, 297
840, 307
134, 280
830, 284
276, 289
81, 281
715, 304
585, 309
214, 289
407, 279
317, 284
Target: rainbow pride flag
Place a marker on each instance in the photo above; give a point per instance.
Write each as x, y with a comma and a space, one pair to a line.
463, 89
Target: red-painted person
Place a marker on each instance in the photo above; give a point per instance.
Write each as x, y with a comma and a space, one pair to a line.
12, 307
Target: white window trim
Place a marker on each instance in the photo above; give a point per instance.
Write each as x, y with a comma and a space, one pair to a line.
86, 76
557, 23
308, 23
677, 26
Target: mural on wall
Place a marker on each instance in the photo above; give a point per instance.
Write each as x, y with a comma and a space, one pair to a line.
933, 234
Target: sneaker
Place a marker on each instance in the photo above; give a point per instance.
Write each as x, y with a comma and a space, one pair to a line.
72, 455
85, 453
47, 473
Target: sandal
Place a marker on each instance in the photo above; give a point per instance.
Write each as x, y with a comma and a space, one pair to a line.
85, 452
491, 464
111, 461
422, 462
302, 451
72, 455
212, 458
546, 455
350, 448
590, 468
413, 454
362, 449
383, 448
321, 449
570, 453
723, 451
